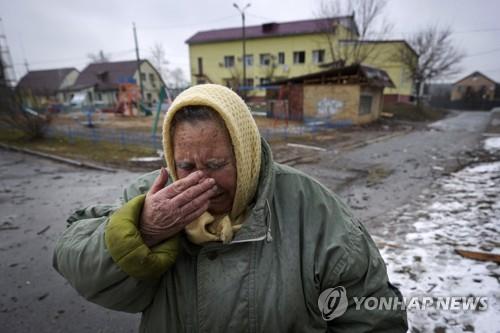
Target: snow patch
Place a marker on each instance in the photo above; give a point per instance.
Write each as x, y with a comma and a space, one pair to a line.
460, 211
492, 144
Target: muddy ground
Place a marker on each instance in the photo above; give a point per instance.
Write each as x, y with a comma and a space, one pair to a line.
37, 195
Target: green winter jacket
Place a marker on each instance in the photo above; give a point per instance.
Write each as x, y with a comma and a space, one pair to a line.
299, 240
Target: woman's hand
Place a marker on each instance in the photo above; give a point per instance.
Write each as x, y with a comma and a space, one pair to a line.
167, 210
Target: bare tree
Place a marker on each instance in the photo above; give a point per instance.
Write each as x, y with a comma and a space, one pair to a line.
173, 78
177, 78
437, 57
159, 60
364, 20
14, 116
99, 57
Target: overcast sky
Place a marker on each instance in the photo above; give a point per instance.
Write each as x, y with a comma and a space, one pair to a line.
57, 33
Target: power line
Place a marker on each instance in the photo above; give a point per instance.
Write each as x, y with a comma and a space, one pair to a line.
477, 30
483, 53
48, 61
179, 26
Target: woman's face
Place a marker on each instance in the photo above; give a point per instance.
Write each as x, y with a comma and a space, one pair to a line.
206, 146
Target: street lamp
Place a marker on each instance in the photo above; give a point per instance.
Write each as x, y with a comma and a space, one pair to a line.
242, 12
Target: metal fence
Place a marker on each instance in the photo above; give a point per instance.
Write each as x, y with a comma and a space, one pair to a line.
125, 138
98, 135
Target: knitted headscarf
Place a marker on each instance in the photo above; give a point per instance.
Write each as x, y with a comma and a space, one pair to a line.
245, 139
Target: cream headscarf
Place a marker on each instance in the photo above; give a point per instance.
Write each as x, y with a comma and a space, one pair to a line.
245, 138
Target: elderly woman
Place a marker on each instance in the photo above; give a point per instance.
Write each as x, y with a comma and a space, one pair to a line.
227, 239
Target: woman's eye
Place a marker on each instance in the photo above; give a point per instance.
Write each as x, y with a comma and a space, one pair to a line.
215, 166
185, 166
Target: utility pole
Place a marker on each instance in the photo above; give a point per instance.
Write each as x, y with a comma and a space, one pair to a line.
8, 75
242, 12
138, 62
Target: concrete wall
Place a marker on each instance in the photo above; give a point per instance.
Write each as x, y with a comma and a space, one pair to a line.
341, 102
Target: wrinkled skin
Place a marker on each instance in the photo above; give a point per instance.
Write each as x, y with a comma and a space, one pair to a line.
206, 172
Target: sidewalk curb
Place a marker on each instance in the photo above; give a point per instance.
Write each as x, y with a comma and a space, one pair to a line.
58, 158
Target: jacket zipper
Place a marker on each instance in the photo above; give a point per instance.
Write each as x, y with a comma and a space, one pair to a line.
268, 237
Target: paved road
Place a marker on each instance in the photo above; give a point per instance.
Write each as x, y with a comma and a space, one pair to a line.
382, 176
36, 194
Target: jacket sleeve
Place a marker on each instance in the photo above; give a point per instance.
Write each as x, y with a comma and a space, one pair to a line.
349, 258
105, 271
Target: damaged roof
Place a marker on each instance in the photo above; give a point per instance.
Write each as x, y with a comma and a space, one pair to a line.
353, 74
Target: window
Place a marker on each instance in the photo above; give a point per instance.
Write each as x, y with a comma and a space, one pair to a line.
281, 58
318, 56
143, 77
265, 59
365, 104
99, 96
228, 61
152, 78
249, 59
299, 57
200, 66
201, 81
264, 80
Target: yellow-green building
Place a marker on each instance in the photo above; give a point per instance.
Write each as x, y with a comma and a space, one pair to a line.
277, 51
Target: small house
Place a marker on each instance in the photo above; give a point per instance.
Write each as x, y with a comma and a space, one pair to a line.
475, 86
41, 88
352, 94
102, 81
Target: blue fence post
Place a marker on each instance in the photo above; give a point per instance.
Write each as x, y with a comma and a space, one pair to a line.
122, 138
94, 135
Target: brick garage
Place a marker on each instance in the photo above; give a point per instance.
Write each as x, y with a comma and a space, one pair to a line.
353, 94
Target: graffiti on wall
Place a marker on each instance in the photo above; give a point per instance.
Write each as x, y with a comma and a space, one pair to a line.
329, 107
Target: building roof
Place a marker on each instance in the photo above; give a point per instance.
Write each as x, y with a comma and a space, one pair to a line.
380, 41
273, 29
476, 73
106, 75
352, 74
44, 82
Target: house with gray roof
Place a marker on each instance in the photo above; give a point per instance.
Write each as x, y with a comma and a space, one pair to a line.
101, 81
44, 87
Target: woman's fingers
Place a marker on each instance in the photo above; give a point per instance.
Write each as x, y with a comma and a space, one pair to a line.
182, 185
198, 201
160, 181
208, 185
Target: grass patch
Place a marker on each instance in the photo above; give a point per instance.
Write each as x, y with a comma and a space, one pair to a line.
104, 153
410, 112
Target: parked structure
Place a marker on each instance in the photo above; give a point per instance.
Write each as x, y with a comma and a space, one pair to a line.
277, 51
475, 86
351, 94
101, 81
42, 88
